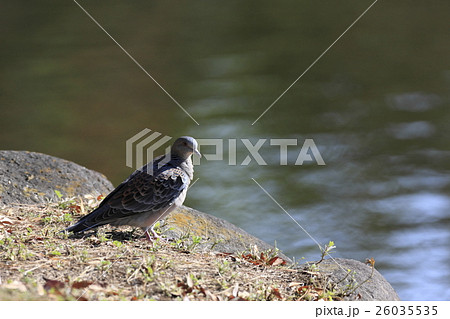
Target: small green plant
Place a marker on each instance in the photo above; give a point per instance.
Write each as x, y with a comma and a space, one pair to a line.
196, 240
84, 255
353, 285
215, 243
118, 244
102, 237
328, 295
327, 250
58, 194
105, 265
67, 217
187, 242
192, 279
64, 203
313, 267
55, 253
223, 267
147, 268
46, 220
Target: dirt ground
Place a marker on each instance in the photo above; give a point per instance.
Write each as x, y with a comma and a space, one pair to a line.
38, 262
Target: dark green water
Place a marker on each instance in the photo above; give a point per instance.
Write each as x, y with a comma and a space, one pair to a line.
376, 105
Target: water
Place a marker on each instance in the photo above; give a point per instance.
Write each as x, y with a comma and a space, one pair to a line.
376, 105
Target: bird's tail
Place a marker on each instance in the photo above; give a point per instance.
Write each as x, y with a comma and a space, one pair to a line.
89, 221
79, 227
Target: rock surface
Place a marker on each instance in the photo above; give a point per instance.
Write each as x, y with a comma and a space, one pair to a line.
217, 234
29, 178
372, 288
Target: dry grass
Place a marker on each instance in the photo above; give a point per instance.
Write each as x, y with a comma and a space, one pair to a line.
38, 262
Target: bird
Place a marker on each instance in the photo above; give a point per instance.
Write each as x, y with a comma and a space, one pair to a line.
148, 194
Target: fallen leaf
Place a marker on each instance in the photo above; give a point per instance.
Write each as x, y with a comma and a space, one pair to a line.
318, 290
189, 281
53, 284
262, 257
231, 298
236, 290
81, 284
276, 293
211, 296
75, 208
5, 220
185, 288
276, 261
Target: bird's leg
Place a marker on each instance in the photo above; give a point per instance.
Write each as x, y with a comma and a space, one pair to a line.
155, 235
147, 235
151, 238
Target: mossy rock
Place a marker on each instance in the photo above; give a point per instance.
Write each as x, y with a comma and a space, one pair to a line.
30, 178
216, 234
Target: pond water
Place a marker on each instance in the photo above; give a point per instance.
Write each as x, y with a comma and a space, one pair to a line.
376, 106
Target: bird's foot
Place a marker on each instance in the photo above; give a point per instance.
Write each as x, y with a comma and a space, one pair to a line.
147, 235
154, 236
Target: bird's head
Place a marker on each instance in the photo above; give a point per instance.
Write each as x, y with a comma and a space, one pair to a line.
185, 146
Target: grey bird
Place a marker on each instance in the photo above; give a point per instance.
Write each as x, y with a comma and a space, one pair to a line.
149, 194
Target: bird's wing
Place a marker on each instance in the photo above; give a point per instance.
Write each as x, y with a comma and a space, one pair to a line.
141, 192
144, 192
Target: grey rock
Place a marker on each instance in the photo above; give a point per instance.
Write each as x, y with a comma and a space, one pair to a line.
217, 234
29, 178
368, 287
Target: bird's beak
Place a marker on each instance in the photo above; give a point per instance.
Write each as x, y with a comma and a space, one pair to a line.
197, 152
